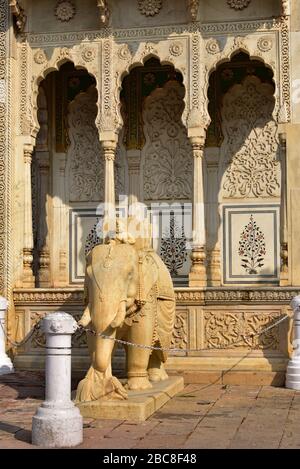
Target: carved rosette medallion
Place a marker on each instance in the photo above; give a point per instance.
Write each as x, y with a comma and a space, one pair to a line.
213, 46
40, 57
176, 49
149, 7
88, 54
238, 4
265, 44
65, 10
124, 52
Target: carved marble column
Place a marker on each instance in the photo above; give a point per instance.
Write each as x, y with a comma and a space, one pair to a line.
43, 226
284, 269
134, 164
212, 158
109, 154
28, 277
198, 276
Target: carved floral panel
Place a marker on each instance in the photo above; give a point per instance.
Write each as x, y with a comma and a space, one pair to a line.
86, 167
84, 156
249, 162
239, 329
180, 331
168, 164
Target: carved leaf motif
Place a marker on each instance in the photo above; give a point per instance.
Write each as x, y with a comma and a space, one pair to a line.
250, 147
168, 161
86, 168
233, 330
180, 332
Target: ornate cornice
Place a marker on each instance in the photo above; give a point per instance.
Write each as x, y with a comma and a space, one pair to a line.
184, 296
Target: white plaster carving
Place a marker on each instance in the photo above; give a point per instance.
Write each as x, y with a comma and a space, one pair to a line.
168, 164
40, 57
265, 44
86, 168
238, 4
176, 48
213, 46
88, 54
149, 7
249, 150
65, 10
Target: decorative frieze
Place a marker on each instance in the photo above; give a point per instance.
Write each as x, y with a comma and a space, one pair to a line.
183, 296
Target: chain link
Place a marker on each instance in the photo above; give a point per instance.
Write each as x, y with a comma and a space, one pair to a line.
24, 341
176, 350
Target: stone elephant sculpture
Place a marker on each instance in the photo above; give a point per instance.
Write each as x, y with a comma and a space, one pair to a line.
129, 295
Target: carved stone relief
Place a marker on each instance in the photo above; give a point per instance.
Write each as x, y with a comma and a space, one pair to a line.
180, 331
250, 147
86, 168
149, 7
238, 329
65, 10
238, 4
168, 164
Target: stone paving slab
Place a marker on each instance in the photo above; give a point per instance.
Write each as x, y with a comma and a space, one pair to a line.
201, 416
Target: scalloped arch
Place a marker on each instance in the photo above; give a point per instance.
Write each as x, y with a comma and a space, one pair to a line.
140, 62
52, 66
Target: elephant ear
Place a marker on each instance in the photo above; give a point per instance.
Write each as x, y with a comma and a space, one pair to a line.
148, 274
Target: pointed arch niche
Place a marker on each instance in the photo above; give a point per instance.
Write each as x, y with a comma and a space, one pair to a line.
243, 173
160, 164
67, 176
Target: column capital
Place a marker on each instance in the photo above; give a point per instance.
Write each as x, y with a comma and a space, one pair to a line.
109, 149
28, 152
197, 144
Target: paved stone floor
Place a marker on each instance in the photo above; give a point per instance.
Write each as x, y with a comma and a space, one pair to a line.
201, 416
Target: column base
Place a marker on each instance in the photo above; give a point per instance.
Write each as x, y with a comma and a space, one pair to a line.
57, 427
292, 380
198, 274
6, 365
197, 280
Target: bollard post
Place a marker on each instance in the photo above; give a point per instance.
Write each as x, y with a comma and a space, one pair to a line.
293, 370
6, 365
57, 422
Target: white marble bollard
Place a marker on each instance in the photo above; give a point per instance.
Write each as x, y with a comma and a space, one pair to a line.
57, 422
293, 370
6, 365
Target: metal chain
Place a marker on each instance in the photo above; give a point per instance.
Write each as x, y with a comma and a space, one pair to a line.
149, 347
175, 350
19, 344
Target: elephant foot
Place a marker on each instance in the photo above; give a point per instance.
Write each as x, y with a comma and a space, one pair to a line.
157, 374
138, 383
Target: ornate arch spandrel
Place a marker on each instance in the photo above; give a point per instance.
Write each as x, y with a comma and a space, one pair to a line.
171, 51
269, 47
83, 56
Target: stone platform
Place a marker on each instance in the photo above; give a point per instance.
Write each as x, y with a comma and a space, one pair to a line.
139, 406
